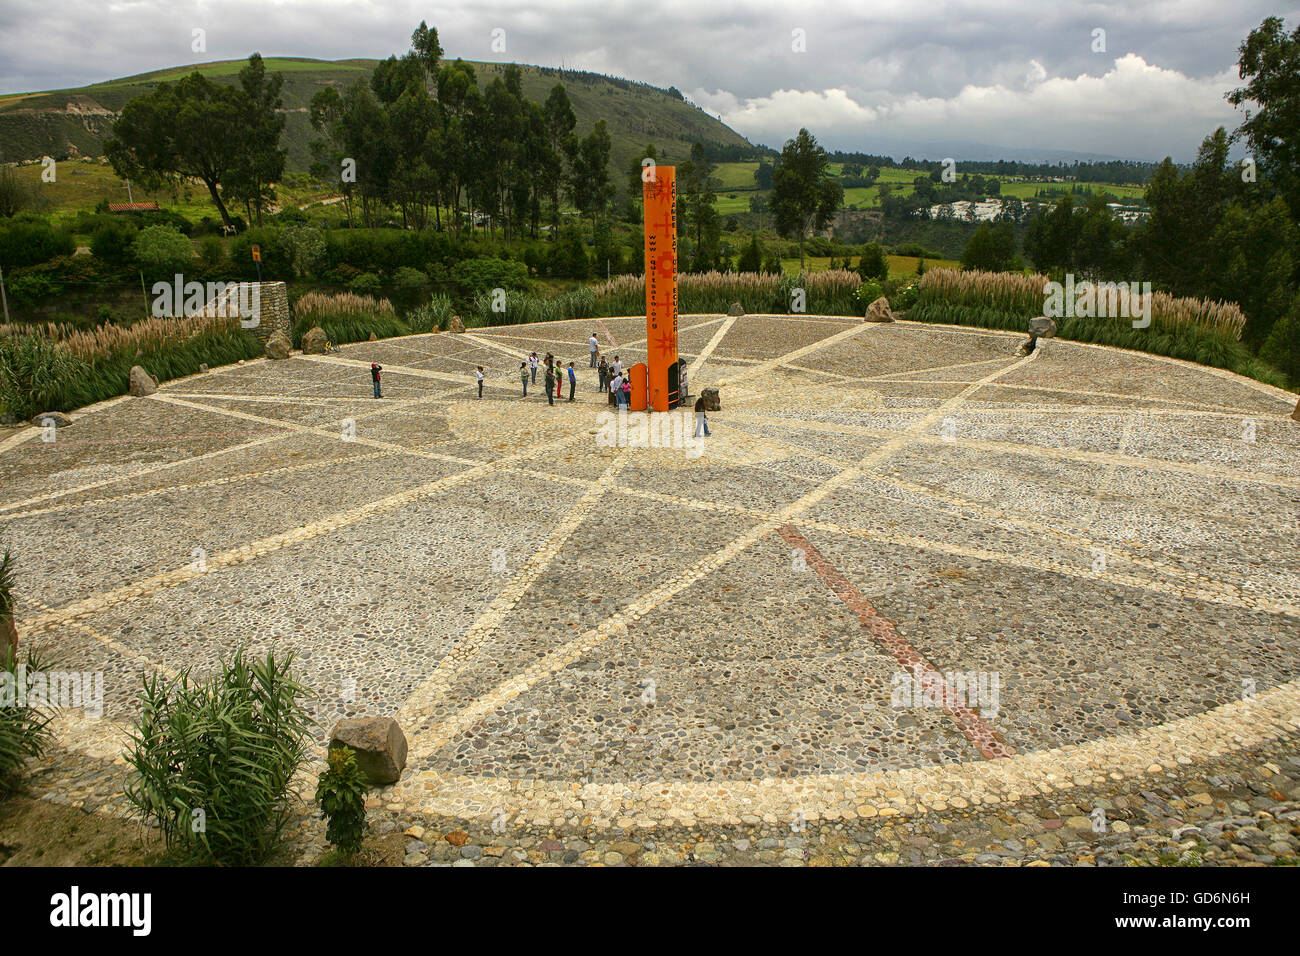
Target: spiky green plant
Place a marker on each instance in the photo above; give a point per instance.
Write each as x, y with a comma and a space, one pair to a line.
24, 729
214, 758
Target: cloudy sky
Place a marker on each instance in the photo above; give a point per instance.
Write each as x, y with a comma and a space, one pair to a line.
1142, 79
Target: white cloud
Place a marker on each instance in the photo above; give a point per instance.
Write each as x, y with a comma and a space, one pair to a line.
1133, 109
1011, 72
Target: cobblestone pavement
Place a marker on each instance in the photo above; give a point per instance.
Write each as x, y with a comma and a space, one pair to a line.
915, 600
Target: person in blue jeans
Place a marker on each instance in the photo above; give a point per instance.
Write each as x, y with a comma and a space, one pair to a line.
374, 377
701, 419
523, 376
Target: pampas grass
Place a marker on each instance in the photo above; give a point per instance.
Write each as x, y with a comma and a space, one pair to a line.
57, 368
345, 317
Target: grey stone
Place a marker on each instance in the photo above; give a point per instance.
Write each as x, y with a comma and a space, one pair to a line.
879, 311
278, 346
736, 309
313, 343
57, 419
1043, 327
379, 744
455, 325
142, 383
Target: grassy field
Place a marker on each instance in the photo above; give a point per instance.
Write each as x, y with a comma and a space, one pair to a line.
1027, 190
900, 183
80, 186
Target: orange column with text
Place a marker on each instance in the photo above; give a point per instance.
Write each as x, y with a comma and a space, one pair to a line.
659, 189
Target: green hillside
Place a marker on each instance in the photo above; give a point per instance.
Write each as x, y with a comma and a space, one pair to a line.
57, 122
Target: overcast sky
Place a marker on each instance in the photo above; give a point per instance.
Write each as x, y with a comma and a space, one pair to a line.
929, 77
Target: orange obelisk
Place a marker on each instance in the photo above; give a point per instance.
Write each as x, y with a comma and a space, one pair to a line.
659, 190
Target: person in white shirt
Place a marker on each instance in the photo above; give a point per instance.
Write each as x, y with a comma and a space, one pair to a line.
478, 374
618, 365
532, 366
616, 389
594, 345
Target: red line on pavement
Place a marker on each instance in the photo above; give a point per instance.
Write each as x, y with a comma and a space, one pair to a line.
600, 324
968, 721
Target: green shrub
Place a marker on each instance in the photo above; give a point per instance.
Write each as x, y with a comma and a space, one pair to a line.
751, 260
28, 243
917, 251
30, 287
410, 284
111, 243
69, 368
341, 793
568, 258
435, 315
276, 251
473, 276
162, 251
1282, 347
6, 587
24, 728
873, 264
211, 252
305, 245
214, 758
366, 284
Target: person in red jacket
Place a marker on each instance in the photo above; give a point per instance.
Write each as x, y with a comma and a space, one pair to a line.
374, 377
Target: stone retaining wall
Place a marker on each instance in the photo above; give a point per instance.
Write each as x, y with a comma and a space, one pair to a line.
273, 305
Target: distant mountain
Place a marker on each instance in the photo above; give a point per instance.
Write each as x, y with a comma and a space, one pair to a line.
77, 121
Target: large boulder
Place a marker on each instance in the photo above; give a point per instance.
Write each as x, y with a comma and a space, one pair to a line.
278, 346
879, 311
1042, 327
57, 419
455, 325
313, 343
736, 309
142, 383
379, 744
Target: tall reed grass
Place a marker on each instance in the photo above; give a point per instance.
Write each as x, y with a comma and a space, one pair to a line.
1197, 330
824, 293
57, 367
345, 317
1022, 297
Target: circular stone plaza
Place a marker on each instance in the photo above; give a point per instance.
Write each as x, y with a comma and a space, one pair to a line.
913, 584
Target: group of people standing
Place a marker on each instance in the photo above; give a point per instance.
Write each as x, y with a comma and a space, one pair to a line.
553, 381
613, 379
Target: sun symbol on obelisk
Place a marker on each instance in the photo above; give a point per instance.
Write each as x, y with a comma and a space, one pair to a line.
665, 265
664, 341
